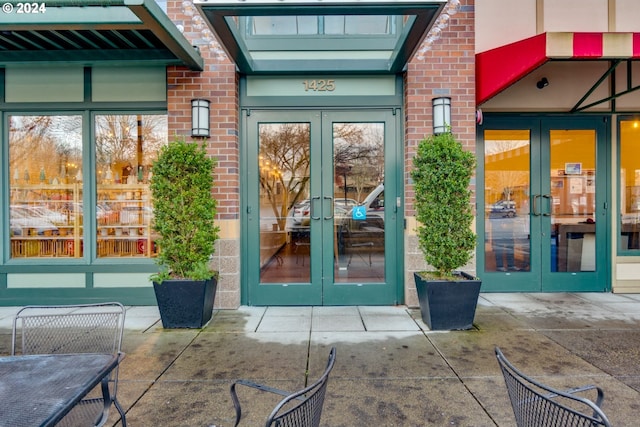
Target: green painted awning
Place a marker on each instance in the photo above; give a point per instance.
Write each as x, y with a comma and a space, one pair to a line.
91, 32
337, 36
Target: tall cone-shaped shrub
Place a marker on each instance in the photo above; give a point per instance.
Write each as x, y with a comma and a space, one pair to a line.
184, 211
441, 176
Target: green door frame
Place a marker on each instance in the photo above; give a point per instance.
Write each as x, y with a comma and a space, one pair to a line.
540, 277
322, 289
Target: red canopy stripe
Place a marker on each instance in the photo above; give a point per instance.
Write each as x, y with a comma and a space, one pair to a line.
499, 68
636, 45
587, 45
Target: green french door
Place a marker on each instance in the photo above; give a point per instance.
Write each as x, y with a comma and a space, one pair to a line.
322, 207
545, 204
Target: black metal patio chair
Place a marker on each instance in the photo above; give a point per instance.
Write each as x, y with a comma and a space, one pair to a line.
302, 408
64, 329
537, 405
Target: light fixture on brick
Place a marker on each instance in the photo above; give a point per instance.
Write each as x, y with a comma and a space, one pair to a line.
200, 118
441, 115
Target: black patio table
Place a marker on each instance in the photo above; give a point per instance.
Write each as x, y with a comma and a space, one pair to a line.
39, 390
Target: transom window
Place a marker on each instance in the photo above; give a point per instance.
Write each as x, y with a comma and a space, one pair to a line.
320, 25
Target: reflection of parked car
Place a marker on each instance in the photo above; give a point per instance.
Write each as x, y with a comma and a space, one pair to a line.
141, 215
23, 222
300, 210
342, 207
37, 211
504, 208
345, 203
365, 235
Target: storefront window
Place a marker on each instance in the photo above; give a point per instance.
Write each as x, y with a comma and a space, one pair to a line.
45, 170
629, 184
126, 146
49, 205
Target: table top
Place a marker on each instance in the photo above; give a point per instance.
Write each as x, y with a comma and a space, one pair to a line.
38, 390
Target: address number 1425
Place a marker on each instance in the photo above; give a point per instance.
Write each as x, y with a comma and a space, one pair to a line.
319, 85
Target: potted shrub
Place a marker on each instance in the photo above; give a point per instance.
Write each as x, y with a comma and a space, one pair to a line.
184, 211
441, 175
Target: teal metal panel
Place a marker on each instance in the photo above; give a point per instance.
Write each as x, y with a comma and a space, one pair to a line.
375, 97
112, 84
321, 86
126, 296
44, 84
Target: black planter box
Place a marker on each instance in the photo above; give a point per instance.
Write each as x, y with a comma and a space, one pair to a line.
185, 303
448, 304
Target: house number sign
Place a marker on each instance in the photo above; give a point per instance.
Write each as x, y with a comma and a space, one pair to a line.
319, 85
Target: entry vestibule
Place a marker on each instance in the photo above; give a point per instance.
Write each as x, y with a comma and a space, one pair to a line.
317, 206
323, 195
545, 199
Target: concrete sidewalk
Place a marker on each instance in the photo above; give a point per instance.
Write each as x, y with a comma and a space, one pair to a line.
390, 370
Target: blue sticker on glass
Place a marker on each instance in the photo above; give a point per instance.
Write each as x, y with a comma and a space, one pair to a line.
359, 212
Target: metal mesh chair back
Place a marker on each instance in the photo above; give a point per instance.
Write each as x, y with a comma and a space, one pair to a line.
537, 405
300, 409
64, 329
305, 413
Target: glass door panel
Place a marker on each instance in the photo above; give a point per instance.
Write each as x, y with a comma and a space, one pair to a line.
544, 204
285, 206
572, 201
358, 202
507, 160
318, 227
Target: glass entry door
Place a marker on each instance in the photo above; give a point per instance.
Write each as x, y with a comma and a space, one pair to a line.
545, 205
318, 227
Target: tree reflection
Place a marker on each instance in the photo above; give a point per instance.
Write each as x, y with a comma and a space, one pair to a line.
44, 148
284, 161
284, 166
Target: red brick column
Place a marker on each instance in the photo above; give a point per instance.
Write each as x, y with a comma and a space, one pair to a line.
448, 69
218, 83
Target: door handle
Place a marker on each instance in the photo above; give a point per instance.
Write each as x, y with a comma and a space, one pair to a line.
313, 199
535, 210
330, 207
549, 205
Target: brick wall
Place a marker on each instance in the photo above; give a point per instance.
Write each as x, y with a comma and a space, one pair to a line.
218, 84
447, 69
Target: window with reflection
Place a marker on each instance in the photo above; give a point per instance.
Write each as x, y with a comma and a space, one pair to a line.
358, 196
629, 229
46, 183
507, 186
572, 158
126, 146
49, 209
285, 238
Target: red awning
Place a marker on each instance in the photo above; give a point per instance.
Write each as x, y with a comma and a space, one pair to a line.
499, 68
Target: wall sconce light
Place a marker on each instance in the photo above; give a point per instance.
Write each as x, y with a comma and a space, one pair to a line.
200, 118
441, 115
542, 83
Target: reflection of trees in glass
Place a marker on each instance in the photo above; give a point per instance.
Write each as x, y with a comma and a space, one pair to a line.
122, 139
284, 166
44, 148
285, 161
506, 169
358, 157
